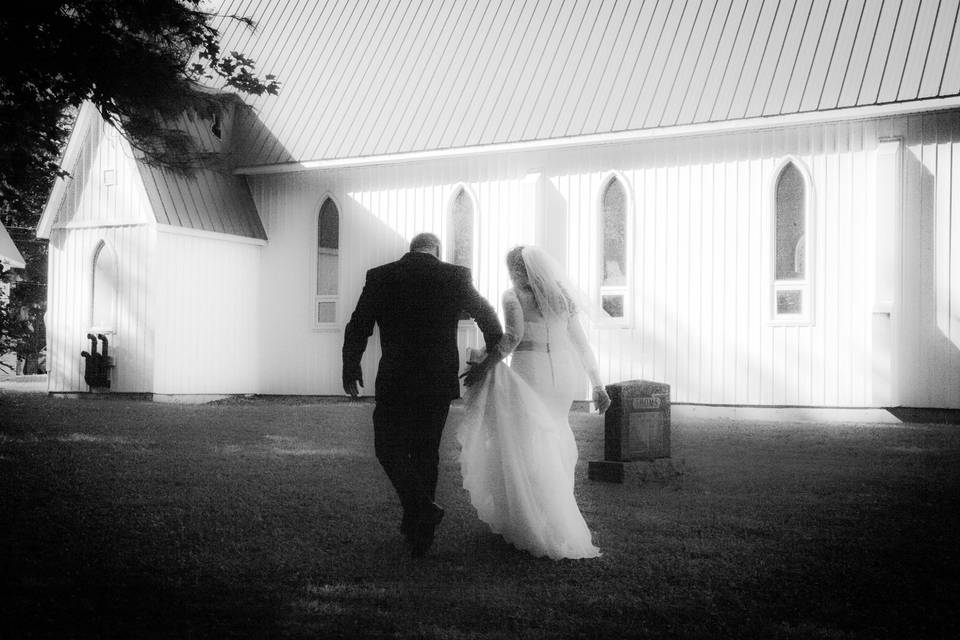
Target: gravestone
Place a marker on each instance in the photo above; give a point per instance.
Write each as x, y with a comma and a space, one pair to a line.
636, 428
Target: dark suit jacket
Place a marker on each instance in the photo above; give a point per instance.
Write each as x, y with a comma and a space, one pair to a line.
417, 302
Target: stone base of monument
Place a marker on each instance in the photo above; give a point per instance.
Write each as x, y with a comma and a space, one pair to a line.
606, 470
663, 470
636, 436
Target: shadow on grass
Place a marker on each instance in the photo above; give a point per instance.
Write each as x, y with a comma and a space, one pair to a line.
130, 519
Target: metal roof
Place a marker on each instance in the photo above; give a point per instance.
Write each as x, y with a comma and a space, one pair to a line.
373, 77
208, 199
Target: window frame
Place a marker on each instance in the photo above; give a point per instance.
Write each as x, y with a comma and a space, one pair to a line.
103, 246
449, 230
334, 325
625, 290
449, 235
807, 315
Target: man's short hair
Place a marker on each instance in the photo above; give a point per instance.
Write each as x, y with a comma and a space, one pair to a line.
423, 241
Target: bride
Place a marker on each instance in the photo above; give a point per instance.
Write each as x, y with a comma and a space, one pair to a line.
517, 450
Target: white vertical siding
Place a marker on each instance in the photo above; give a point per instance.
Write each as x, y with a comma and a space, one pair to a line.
929, 354
104, 202
70, 306
382, 208
105, 186
187, 304
206, 315
886, 195
701, 231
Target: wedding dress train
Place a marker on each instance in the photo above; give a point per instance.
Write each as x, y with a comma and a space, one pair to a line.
518, 452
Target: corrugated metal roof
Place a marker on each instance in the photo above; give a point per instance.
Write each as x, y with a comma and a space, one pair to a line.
208, 201
372, 77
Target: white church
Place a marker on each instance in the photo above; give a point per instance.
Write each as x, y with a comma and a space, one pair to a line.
763, 195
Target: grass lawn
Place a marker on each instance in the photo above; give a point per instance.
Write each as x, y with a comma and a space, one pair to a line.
272, 519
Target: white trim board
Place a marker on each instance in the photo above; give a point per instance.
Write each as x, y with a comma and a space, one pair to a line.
98, 224
191, 398
209, 235
71, 154
782, 414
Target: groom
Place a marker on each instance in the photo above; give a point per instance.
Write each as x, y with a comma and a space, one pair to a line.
417, 302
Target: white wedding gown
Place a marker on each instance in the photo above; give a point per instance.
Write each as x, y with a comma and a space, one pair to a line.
517, 449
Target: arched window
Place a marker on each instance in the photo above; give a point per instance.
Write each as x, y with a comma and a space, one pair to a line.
328, 263
460, 230
461, 242
614, 248
103, 316
791, 280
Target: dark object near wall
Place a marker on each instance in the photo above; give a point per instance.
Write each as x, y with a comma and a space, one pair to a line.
96, 370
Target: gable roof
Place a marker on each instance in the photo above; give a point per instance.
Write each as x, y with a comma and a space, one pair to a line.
209, 200
68, 162
371, 78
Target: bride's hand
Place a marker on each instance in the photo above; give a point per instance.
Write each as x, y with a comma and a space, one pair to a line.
601, 399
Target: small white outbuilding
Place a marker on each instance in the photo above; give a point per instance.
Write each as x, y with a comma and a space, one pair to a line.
765, 196
10, 256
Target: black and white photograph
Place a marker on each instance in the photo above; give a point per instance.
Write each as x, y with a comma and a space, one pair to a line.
480, 319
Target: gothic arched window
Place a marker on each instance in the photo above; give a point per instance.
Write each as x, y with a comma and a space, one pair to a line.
461, 233
328, 263
614, 248
792, 244
460, 230
104, 308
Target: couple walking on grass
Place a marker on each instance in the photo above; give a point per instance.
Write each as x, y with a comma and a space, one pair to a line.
517, 451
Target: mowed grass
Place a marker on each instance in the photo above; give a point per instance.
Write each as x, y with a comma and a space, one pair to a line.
270, 518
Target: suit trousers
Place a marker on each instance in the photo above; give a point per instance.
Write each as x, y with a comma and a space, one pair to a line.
407, 442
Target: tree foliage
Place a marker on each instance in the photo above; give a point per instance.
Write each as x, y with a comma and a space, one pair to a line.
22, 329
139, 62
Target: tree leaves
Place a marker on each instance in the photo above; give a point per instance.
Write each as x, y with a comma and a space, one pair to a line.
142, 64
138, 61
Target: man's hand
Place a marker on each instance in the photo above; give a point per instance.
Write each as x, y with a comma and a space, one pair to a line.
475, 373
351, 380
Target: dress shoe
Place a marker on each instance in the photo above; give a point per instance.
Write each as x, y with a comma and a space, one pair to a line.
433, 515
421, 537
